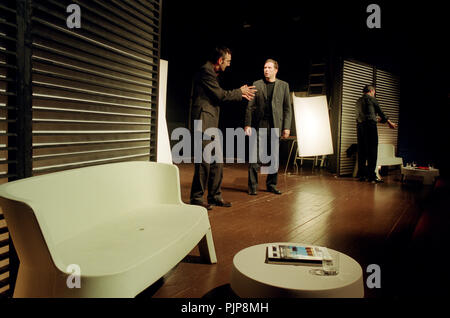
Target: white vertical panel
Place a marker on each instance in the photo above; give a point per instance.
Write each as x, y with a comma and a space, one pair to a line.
163, 152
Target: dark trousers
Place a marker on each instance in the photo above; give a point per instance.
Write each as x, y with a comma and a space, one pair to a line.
207, 176
253, 168
367, 149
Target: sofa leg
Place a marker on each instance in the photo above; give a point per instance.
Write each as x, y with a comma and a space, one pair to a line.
377, 172
207, 249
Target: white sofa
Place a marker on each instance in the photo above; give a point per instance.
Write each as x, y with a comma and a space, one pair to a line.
123, 225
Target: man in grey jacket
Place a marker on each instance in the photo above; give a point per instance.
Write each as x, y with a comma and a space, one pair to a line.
207, 99
271, 108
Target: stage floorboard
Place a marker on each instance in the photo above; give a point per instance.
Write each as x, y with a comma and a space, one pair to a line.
366, 221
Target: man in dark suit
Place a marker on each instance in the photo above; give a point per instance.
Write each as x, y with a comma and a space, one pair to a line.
207, 97
366, 110
271, 108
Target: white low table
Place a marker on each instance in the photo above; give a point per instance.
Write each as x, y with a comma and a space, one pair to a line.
428, 175
252, 277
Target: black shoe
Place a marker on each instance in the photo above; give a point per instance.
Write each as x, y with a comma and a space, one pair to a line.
274, 190
221, 203
252, 192
207, 206
376, 180
361, 179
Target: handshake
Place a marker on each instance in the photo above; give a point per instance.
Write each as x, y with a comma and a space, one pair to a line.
248, 92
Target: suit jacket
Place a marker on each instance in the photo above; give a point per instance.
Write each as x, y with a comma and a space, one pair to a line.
207, 96
281, 105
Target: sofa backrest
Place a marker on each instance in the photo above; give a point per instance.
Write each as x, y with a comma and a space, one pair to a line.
69, 202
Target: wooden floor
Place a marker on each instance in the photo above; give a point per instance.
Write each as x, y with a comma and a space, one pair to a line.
360, 219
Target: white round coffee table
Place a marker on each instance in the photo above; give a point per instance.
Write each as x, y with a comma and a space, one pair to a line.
252, 277
428, 175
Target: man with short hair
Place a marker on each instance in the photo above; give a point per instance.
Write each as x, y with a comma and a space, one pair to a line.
207, 98
271, 108
366, 109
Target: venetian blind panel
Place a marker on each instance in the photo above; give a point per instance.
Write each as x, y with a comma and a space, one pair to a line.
355, 76
8, 107
388, 95
95, 87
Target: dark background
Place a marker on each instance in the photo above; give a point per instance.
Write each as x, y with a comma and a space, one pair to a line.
410, 43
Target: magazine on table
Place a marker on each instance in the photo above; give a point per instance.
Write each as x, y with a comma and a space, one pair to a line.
296, 254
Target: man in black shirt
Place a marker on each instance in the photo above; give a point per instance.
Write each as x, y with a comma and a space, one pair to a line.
366, 109
271, 108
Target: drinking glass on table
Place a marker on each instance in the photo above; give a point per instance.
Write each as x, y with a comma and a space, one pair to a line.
330, 265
